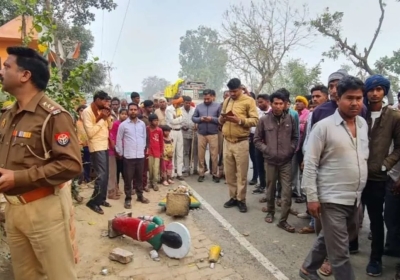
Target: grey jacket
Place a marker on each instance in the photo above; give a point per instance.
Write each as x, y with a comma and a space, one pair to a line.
202, 110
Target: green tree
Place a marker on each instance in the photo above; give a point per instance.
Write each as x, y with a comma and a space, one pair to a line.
260, 36
297, 77
153, 84
69, 36
8, 11
79, 12
390, 66
202, 57
330, 25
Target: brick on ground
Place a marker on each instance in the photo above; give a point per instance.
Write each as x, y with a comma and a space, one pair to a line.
121, 255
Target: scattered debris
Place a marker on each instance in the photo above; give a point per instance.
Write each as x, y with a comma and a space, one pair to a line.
201, 260
245, 233
104, 233
154, 256
91, 223
121, 256
214, 254
104, 271
222, 253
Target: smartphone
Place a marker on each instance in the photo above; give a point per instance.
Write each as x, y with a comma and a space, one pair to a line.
229, 114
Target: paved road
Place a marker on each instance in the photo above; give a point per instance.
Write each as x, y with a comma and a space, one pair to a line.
285, 250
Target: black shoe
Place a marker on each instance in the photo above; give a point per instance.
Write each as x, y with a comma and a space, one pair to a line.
231, 203
95, 208
252, 182
259, 190
180, 178
216, 179
242, 206
128, 204
200, 179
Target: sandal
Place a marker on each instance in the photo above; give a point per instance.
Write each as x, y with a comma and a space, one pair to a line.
264, 209
165, 183
301, 199
269, 218
307, 230
263, 200
285, 226
325, 269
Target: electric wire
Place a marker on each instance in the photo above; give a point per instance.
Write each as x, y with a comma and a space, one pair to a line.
120, 31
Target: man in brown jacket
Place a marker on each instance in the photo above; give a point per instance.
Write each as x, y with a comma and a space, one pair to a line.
276, 137
383, 128
238, 115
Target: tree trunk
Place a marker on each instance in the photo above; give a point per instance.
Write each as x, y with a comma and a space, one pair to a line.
56, 46
23, 29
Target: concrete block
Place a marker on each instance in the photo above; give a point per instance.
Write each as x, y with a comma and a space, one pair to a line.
121, 255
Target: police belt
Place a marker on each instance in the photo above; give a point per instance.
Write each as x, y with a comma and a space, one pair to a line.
32, 195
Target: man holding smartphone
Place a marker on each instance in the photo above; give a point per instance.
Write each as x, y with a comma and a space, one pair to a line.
238, 115
206, 116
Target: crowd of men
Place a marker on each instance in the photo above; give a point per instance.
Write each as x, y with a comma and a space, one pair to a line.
338, 150
344, 165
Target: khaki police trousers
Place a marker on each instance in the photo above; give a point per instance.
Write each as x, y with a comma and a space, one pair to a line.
41, 236
236, 165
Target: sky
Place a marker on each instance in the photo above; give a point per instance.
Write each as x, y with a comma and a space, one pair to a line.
150, 35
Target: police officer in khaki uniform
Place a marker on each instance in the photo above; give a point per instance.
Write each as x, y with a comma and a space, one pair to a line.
39, 155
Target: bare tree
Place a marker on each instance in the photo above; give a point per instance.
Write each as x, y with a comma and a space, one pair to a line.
330, 25
259, 37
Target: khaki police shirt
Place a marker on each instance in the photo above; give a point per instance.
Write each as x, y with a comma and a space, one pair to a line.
20, 135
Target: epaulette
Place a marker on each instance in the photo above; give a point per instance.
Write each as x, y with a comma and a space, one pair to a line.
48, 105
52, 107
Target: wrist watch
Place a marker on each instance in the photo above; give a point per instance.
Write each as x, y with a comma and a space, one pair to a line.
383, 168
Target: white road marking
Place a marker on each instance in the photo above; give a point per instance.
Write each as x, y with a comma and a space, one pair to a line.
241, 239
